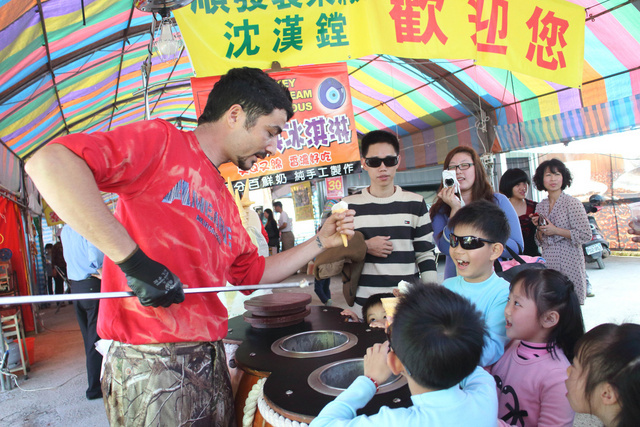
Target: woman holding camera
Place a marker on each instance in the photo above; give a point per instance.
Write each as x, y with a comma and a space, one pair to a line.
563, 225
474, 185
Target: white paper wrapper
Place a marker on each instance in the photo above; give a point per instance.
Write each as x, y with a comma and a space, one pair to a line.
403, 286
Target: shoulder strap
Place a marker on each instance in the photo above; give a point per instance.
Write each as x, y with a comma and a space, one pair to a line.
515, 255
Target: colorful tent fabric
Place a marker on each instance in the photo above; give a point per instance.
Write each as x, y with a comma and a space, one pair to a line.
60, 74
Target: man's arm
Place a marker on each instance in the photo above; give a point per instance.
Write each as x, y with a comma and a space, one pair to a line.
69, 187
67, 183
424, 247
280, 266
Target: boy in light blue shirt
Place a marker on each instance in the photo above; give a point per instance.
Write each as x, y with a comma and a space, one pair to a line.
435, 342
478, 233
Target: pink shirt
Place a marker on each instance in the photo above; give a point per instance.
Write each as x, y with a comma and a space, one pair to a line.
532, 392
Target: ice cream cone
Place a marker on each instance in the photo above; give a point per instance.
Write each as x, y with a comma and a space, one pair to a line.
339, 208
389, 305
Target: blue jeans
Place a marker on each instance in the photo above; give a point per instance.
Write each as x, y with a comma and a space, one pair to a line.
322, 289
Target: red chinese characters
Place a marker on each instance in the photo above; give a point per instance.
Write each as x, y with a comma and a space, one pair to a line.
547, 39
406, 16
496, 26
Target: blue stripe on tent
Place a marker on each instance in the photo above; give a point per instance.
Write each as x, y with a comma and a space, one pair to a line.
617, 115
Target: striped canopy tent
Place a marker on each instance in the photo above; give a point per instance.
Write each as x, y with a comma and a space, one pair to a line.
75, 66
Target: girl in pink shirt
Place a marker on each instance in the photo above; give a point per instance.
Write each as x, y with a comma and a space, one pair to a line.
604, 379
543, 321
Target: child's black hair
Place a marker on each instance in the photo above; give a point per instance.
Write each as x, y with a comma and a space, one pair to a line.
611, 354
486, 217
552, 290
373, 300
438, 336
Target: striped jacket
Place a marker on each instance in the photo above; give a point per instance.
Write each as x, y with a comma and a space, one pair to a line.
405, 218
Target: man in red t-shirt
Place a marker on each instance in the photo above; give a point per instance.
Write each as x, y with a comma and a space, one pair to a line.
175, 223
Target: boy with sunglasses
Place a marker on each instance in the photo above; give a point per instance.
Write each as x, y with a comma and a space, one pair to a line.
479, 232
435, 341
395, 223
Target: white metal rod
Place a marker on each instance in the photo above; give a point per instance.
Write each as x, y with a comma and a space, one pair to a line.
37, 299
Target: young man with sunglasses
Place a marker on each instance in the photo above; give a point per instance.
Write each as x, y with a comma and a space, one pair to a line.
479, 232
395, 223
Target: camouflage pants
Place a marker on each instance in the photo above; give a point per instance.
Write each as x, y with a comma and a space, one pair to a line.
175, 384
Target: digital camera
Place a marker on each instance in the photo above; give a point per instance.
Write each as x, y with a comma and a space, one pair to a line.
449, 178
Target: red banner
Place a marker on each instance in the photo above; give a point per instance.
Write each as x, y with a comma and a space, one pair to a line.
335, 188
320, 141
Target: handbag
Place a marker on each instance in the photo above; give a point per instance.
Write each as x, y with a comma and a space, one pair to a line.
508, 271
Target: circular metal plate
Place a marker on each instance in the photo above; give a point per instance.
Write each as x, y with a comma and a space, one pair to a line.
333, 378
314, 344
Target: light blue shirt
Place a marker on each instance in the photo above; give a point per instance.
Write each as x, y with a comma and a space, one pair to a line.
474, 402
490, 298
82, 258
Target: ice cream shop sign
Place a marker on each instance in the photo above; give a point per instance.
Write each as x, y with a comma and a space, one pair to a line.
320, 141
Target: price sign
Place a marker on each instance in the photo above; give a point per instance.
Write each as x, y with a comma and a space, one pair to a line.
335, 187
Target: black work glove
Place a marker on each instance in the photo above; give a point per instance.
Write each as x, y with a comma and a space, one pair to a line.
152, 282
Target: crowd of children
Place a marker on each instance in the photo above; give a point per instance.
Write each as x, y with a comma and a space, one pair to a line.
479, 350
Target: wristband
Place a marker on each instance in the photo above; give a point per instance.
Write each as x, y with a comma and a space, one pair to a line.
375, 383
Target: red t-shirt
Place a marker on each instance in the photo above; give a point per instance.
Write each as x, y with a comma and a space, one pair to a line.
175, 205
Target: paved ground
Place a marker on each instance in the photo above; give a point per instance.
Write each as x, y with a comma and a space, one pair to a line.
54, 393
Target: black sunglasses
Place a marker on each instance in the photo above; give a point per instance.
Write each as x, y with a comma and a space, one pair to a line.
467, 242
375, 162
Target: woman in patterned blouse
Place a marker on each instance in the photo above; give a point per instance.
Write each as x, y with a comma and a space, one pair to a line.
562, 224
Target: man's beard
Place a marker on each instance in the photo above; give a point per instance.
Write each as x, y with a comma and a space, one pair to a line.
245, 164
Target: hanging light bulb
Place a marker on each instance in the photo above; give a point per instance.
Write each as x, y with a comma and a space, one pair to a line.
167, 41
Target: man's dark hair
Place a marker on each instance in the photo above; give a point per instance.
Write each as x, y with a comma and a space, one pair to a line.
438, 336
251, 88
378, 136
486, 217
277, 204
554, 165
510, 179
48, 246
373, 300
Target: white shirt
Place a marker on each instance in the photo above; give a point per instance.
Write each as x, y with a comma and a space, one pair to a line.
284, 218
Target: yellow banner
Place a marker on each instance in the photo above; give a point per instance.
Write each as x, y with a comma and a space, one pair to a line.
51, 217
542, 38
302, 201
